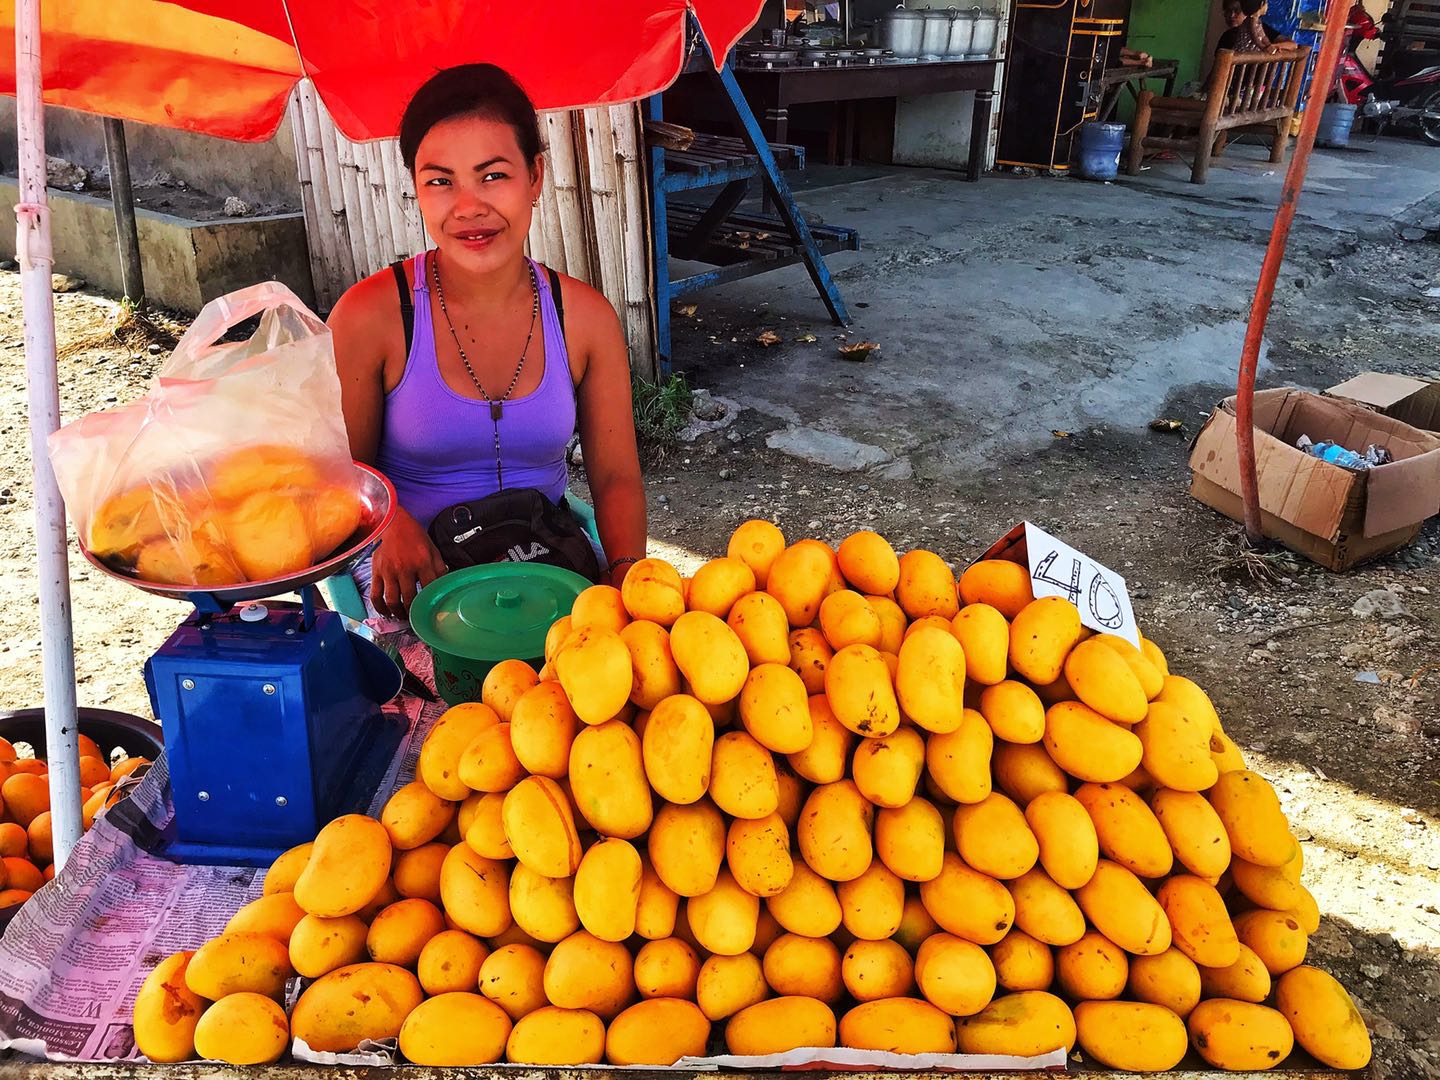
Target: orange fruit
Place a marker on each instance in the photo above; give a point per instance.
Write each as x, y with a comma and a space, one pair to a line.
13, 841
25, 796
200, 558
33, 766
93, 771
124, 522
252, 469
333, 513
42, 839
23, 874
7, 751
90, 748
125, 768
13, 898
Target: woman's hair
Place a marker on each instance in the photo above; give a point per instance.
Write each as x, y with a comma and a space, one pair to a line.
1251, 7
470, 90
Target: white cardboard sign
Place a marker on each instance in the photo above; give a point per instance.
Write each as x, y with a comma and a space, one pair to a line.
1057, 569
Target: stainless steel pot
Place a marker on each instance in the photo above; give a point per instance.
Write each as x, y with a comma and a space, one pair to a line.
900, 31
987, 29
962, 32
935, 33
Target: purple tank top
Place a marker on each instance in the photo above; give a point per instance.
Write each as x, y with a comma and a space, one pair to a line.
438, 448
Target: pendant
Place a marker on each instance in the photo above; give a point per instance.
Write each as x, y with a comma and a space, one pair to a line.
495, 408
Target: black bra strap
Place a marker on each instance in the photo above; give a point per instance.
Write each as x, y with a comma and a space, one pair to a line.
407, 303
555, 293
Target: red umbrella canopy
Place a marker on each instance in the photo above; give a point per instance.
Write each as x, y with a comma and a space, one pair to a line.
226, 67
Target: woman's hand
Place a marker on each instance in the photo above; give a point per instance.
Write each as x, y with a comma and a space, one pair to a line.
404, 563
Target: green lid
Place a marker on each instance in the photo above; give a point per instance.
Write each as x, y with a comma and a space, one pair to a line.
496, 611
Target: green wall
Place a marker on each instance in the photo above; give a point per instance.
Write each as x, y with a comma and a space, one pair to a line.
1169, 29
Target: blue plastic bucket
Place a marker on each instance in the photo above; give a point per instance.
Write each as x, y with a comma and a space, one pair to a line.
1335, 123
1100, 146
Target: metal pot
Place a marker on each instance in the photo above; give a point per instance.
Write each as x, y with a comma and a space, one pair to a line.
987, 29
900, 31
935, 34
962, 32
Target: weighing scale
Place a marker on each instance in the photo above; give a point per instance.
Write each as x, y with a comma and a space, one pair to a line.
271, 711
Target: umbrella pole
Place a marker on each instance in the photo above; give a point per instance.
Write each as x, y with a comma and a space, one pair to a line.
32, 245
122, 202
1320, 87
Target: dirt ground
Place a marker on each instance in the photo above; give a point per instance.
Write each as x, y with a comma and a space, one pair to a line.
1340, 709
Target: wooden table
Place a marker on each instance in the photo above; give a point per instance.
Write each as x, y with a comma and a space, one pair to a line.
772, 91
1133, 79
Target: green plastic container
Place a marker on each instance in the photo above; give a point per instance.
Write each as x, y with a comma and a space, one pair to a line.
474, 618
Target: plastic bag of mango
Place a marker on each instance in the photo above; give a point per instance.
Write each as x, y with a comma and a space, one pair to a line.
824, 797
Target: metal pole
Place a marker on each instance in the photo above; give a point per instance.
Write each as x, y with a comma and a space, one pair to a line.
122, 200
32, 246
1320, 86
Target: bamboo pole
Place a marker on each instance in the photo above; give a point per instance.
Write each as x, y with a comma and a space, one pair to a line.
320, 227
387, 153
375, 194
337, 150
352, 160
550, 223
601, 168
535, 245
329, 189
416, 239
568, 196
638, 315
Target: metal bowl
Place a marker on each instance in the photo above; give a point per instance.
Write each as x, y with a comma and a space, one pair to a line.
377, 510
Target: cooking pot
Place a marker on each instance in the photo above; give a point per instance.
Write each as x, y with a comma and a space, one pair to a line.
962, 31
987, 29
935, 33
900, 31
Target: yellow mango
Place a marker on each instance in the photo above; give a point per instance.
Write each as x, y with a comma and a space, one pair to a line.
1129, 1035
597, 674
926, 586
455, 1029
847, 618
1245, 980
893, 623
1176, 748
401, 930
1275, 936
584, 972
760, 623
607, 889
834, 831
808, 904
959, 761
340, 1010
757, 544
1014, 712
799, 578
930, 679
450, 962
543, 907
910, 840
654, 673
1022, 963
1041, 636
1120, 907
967, 903
1152, 680
869, 563
1001, 584
898, 1026
475, 892
166, 1012
718, 584
652, 591
743, 781
513, 976
439, 765
678, 742
236, 963
775, 709
540, 827
607, 780
489, 763
993, 837
659, 1031
1307, 911
779, 1025
1170, 979
383, 899
872, 904
556, 638
1189, 699
686, 846
915, 925
275, 916
1026, 1024
286, 870
667, 968
887, 769
804, 967
1129, 833
984, 634
243, 1029
415, 815
1045, 911
1052, 693
710, 656
810, 656
728, 984
1087, 746
872, 970
319, 946
1273, 887
1250, 811
1197, 835
1225, 754
1199, 923
1240, 1035
542, 728
486, 830
508, 681
1024, 771
552, 1037
955, 975
1092, 969
599, 606
1324, 1019
1152, 652
859, 689
1103, 680
758, 854
827, 756
724, 919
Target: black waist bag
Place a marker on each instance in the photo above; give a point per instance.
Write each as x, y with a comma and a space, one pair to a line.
514, 525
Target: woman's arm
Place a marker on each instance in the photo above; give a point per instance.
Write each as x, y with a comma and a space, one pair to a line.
607, 427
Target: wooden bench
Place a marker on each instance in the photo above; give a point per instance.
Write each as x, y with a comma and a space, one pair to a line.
1254, 93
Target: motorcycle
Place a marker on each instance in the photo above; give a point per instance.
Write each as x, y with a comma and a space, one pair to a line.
1400, 97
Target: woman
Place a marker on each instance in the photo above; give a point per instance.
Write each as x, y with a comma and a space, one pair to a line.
489, 386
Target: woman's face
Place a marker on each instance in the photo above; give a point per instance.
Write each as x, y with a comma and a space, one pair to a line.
476, 191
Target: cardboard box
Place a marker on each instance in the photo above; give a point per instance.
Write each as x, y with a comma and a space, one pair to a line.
1334, 516
1411, 401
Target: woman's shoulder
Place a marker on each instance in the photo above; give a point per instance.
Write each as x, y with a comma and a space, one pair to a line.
366, 325
586, 309
369, 302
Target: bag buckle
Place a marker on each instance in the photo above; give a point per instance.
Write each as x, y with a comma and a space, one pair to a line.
460, 538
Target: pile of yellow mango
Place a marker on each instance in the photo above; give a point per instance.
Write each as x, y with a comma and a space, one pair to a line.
820, 797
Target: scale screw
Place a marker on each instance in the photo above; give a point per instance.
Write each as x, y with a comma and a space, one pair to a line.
269, 688
280, 800
188, 684
203, 796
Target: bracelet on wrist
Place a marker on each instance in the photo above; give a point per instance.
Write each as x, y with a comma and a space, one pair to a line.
627, 561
